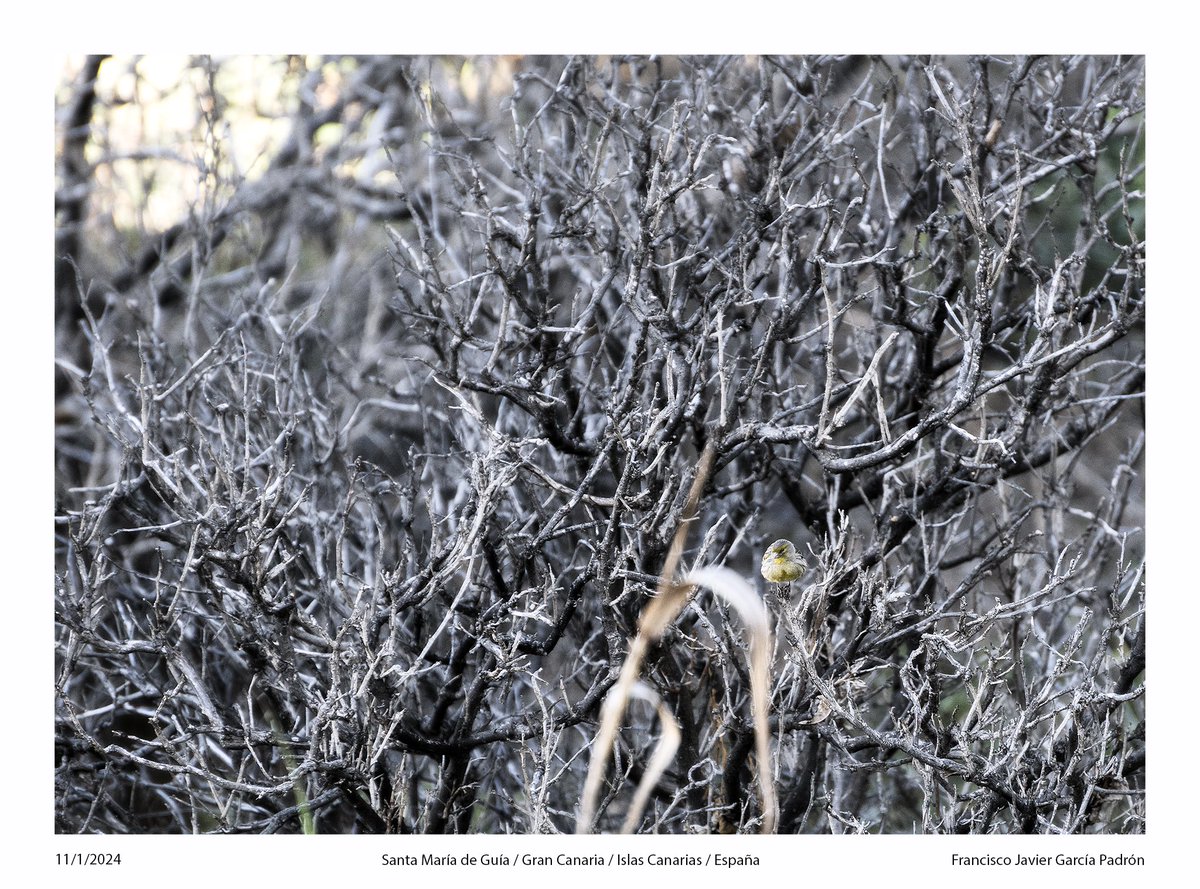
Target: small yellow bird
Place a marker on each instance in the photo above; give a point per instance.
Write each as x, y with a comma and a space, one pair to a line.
781, 563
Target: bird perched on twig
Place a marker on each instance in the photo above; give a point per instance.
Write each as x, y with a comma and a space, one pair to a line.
781, 563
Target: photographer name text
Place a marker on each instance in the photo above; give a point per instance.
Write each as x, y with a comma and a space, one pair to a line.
1059, 860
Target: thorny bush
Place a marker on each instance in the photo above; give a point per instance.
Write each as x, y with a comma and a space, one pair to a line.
368, 459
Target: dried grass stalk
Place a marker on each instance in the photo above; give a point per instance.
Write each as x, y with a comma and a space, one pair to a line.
664, 752
670, 600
